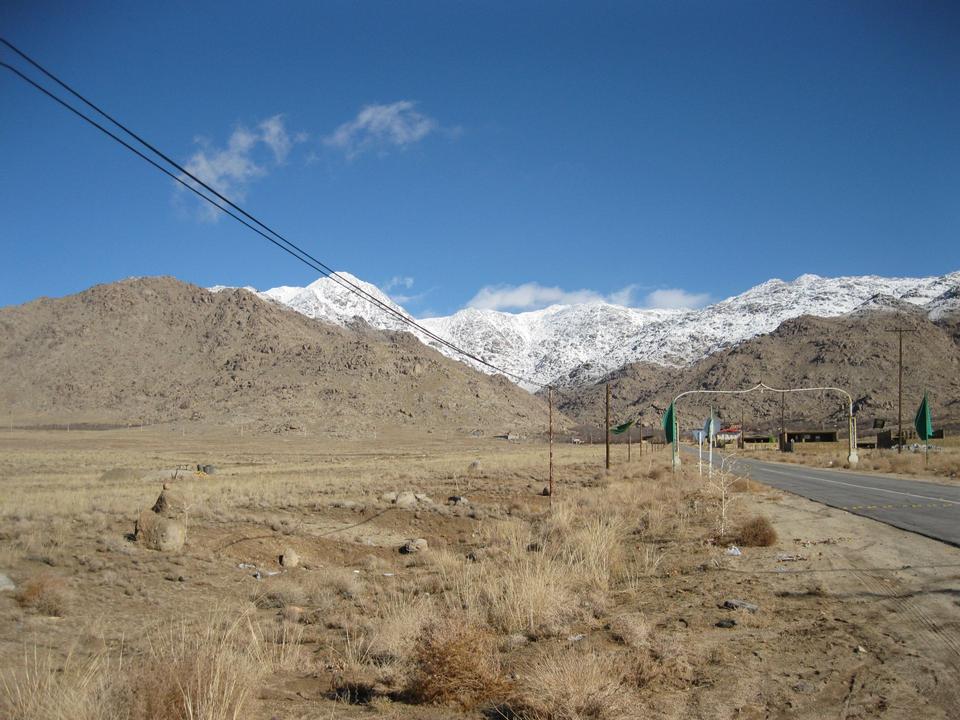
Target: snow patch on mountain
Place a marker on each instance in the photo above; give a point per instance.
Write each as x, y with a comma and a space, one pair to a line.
570, 344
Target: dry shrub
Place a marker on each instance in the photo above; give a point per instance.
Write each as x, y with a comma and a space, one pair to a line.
757, 532
568, 685
456, 663
630, 629
46, 593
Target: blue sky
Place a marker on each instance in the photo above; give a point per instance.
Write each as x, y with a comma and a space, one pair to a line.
500, 154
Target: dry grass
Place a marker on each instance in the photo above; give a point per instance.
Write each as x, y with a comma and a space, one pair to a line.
46, 593
561, 684
76, 689
757, 532
187, 672
456, 663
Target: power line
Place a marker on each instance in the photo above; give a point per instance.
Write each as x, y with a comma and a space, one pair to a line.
280, 241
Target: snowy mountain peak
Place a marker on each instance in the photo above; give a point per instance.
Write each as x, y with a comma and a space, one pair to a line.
576, 343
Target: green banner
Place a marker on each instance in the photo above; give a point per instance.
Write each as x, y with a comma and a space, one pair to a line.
668, 423
621, 429
923, 422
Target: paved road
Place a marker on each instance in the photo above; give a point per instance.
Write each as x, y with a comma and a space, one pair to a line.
926, 508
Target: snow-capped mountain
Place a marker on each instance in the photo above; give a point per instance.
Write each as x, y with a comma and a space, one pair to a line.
571, 344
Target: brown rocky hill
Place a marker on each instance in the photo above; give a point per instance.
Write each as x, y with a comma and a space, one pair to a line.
856, 352
157, 350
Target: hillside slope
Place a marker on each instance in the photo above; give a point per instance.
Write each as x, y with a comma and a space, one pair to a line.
157, 349
857, 352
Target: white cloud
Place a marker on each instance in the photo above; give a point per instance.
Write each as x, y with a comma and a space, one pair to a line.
398, 281
381, 126
230, 170
529, 296
533, 296
676, 299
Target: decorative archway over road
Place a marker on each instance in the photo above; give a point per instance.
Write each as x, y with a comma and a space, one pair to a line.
852, 456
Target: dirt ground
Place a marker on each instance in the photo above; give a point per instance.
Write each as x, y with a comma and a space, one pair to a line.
605, 603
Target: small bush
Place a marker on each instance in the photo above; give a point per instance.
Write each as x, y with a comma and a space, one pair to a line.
757, 532
48, 594
456, 663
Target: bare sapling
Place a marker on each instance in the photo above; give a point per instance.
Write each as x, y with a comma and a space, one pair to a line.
721, 485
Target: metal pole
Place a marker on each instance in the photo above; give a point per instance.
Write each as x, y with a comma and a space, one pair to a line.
700, 455
607, 425
710, 446
674, 448
550, 402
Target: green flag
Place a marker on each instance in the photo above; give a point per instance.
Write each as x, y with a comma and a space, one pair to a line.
620, 429
923, 422
668, 423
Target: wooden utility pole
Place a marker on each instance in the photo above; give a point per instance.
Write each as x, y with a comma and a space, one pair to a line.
900, 330
629, 433
900, 396
550, 402
607, 425
743, 437
640, 424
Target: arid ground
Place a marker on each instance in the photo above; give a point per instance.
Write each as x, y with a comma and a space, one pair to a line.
606, 603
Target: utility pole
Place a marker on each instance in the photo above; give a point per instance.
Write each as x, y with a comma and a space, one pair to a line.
900, 330
629, 433
640, 423
550, 402
743, 437
900, 396
607, 425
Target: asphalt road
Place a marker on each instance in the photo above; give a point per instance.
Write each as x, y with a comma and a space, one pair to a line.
926, 508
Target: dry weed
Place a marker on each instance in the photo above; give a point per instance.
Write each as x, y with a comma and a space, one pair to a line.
456, 663
757, 532
46, 593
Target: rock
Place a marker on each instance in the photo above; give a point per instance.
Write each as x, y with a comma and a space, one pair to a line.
474, 468
160, 533
739, 605
727, 623
457, 500
171, 503
390, 497
423, 498
545, 492
860, 650
414, 546
290, 558
209, 469
405, 500
6, 584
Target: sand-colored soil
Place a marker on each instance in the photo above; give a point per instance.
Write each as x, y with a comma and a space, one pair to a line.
603, 605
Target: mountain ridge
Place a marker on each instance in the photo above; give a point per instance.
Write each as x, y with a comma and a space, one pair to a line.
567, 345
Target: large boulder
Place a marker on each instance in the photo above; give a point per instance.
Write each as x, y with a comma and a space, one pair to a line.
160, 533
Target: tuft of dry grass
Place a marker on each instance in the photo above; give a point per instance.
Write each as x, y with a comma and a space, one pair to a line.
188, 672
46, 593
76, 689
560, 684
757, 532
456, 662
